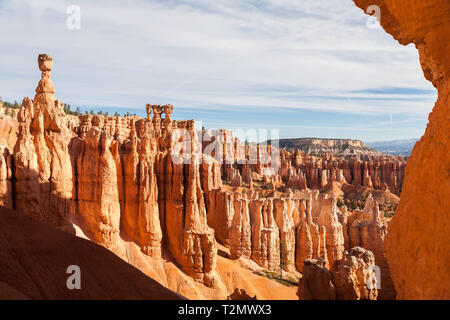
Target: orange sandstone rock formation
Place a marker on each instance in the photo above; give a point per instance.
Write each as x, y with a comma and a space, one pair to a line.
368, 229
8, 129
129, 183
316, 283
6, 192
116, 175
347, 281
417, 244
43, 169
96, 178
298, 170
352, 276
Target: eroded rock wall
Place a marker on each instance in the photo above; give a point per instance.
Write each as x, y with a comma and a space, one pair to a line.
418, 238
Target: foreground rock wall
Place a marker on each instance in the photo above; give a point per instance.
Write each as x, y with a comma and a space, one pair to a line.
417, 244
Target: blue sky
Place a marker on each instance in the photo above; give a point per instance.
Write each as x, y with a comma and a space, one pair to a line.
305, 67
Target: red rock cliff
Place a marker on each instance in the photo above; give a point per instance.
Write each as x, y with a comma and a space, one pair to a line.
417, 243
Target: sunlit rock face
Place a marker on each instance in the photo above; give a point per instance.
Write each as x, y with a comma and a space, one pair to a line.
417, 244
43, 169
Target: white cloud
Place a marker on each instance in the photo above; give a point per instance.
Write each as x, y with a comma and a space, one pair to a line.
203, 53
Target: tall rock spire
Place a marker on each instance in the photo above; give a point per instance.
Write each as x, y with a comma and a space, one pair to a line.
42, 164
45, 86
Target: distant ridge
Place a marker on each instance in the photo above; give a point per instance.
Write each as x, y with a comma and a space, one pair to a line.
341, 147
401, 147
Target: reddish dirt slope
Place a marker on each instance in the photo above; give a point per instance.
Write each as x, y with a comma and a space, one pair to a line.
34, 258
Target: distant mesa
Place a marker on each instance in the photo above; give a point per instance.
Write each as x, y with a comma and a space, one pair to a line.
319, 146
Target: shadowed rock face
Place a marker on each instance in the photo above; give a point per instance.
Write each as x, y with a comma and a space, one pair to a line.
316, 282
240, 294
35, 257
417, 244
